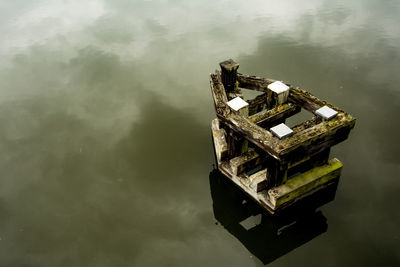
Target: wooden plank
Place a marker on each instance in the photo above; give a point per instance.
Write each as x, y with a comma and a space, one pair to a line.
252, 132
258, 180
257, 104
324, 134
244, 162
308, 101
305, 184
218, 93
220, 144
280, 112
253, 82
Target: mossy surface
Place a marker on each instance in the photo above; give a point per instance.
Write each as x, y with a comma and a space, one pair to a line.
305, 182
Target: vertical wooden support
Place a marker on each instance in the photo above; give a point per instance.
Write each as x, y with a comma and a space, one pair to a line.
276, 172
229, 74
320, 158
244, 145
230, 139
237, 145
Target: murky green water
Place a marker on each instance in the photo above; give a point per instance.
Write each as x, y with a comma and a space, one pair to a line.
105, 144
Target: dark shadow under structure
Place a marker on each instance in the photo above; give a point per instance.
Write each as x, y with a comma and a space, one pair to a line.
273, 235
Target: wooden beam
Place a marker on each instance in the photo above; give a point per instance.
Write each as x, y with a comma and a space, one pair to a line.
305, 184
253, 82
269, 116
244, 162
257, 104
218, 93
315, 137
258, 180
252, 132
308, 101
220, 144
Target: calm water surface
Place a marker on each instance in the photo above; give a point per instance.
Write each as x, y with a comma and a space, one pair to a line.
105, 144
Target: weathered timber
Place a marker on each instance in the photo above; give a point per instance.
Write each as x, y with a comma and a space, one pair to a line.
296, 95
229, 74
244, 162
305, 183
308, 101
276, 172
258, 104
221, 146
307, 162
264, 139
326, 133
258, 181
255, 134
235, 93
306, 124
277, 94
237, 144
287, 169
254, 82
269, 116
218, 93
309, 136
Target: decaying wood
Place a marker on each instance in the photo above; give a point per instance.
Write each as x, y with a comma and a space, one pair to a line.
237, 144
258, 181
269, 116
276, 172
258, 104
308, 101
306, 151
325, 134
244, 162
218, 93
253, 82
305, 183
229, 74
255, 134
235, 93
221, 146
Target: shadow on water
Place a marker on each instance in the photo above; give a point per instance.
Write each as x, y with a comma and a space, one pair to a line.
266, 236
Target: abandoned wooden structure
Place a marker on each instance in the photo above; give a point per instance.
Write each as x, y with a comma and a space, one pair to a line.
274, 164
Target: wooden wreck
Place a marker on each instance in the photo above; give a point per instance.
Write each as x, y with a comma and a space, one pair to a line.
274, 164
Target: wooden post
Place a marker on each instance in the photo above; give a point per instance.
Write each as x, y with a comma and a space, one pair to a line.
229, 74
237, 145
276, 172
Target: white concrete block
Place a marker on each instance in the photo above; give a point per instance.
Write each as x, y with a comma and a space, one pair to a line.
281, 130
237, 103
326, 112
278, 87
280, 92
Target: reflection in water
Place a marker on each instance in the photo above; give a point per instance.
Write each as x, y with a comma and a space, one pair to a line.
267, 237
